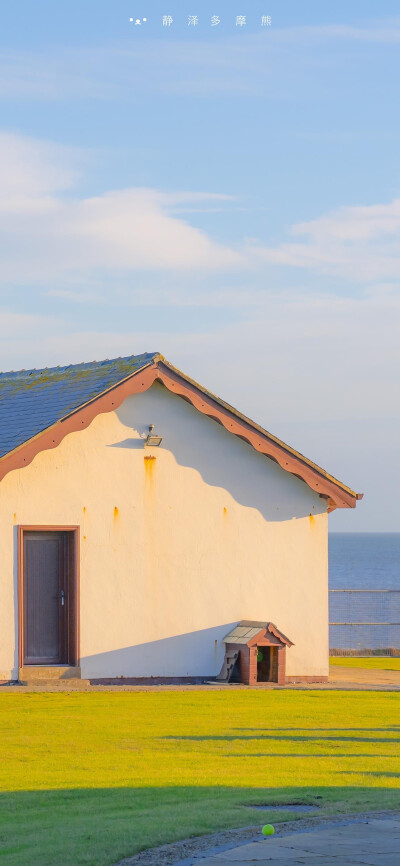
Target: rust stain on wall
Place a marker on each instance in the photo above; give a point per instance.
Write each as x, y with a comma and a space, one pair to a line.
149, 467
116, 513
225, 511
14, 517
312, 520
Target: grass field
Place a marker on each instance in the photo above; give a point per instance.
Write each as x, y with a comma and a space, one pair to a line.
88, 778
371, 663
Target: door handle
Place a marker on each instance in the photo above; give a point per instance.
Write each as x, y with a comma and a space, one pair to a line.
62, 597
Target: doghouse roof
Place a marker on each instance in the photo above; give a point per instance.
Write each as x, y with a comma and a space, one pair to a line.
39, 407
247, 631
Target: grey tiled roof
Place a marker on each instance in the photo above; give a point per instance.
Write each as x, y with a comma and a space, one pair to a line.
32, 400
247, 629
242, 634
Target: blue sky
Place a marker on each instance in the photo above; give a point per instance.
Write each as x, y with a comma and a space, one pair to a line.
229, 196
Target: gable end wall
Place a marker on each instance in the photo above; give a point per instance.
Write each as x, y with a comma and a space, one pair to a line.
178, 543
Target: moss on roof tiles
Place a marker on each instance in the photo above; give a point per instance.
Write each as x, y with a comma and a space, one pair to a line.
32, 400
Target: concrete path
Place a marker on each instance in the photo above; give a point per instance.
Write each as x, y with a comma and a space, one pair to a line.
370, 843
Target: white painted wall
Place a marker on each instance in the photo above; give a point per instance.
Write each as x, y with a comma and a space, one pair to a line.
174, 550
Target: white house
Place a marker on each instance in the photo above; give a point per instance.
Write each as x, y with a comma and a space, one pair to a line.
121, 557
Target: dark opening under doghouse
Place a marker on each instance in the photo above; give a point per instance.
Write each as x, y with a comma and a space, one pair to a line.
255, 652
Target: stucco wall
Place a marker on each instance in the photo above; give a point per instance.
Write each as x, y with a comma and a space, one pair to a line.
175, 549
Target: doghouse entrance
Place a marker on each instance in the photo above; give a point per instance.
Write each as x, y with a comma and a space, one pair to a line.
267, 664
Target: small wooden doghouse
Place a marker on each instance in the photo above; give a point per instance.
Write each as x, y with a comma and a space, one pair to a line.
256, 651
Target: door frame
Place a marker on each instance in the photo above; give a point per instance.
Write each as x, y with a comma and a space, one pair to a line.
73, 626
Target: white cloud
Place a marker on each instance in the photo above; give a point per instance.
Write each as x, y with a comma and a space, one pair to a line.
50, 236
46, 235
359, 243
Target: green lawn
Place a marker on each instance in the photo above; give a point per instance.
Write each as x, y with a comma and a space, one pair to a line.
89, 778
387, 663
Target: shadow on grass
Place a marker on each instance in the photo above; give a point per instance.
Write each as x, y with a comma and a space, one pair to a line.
378, 774
297, 738
338, 730
318, 755
99, 827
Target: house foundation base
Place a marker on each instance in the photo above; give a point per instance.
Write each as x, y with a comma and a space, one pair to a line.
150, 681
305, 679
33, 674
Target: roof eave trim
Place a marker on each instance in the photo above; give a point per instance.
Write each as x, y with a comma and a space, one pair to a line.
337, 494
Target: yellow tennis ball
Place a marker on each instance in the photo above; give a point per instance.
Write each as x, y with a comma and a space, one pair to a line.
268, 830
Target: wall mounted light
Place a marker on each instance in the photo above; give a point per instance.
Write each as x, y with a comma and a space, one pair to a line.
152, 438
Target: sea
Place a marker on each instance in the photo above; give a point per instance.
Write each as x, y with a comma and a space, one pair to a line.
364, 622
364, 560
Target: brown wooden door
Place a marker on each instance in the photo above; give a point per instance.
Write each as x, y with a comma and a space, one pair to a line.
45, 598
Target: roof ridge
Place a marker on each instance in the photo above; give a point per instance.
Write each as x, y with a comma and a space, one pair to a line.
28, 371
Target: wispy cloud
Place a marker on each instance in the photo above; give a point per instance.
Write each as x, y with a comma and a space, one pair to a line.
113, 71
177, 66
24, 326
385, 31
51, 75
359, 243
32, 171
